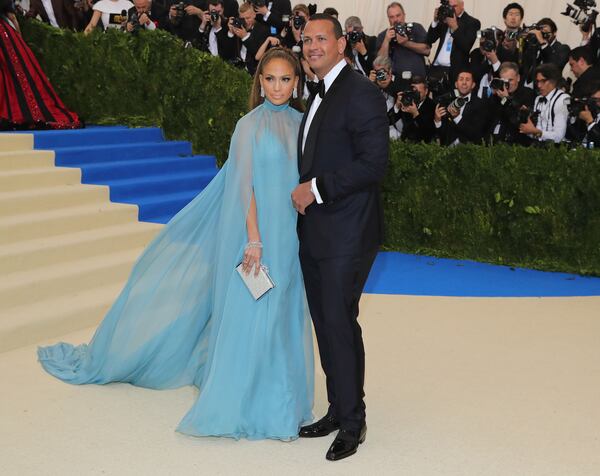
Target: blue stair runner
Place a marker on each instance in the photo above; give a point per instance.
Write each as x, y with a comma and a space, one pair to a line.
138, 165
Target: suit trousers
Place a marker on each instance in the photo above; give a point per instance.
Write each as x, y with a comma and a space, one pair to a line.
333, 288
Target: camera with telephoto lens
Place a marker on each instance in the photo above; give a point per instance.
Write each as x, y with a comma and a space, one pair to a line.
134, 19
404, 29
381, 75
298, 21
577, 105
524, 114
452, 99
499, 84
355, 36
445, 10
582, 13
409, 97
238, 22
490, 38
179, 12
214, 16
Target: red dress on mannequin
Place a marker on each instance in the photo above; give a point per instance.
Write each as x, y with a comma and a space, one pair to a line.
27, 99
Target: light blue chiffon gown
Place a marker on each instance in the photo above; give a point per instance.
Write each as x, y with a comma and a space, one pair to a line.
186, 318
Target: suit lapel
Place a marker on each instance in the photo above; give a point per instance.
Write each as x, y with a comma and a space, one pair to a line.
307, 157
311, 98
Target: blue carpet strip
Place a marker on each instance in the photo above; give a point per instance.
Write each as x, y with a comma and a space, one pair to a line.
161, 177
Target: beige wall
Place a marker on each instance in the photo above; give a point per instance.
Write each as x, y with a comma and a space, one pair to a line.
489, 12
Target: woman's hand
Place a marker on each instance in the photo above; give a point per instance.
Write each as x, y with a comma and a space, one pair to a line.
252, 256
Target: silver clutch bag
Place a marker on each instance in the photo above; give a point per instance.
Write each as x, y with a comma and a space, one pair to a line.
257, 285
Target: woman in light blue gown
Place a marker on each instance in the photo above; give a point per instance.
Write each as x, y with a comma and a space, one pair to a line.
185, 316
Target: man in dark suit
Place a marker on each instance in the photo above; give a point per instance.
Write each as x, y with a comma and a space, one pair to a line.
185, 24
363, 46
456, 35
417, 117
62, 13
250, 36
581, 61
273, 14
343, 150
462, 124
214, 31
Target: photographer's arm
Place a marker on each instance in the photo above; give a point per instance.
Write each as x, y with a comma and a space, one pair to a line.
93, 22
419, 48
464, 37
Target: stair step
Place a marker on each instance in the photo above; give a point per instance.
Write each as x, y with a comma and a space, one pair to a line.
65, 220
10, 142
154, 184
26, 159
28, 179
82, 156
47, 251
49, 198
31, 323
95, 136
105, 172
160, 205
20, 288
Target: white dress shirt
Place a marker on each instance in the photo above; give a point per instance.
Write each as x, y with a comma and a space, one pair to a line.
328, 80
443, 59
50, 12
554, 115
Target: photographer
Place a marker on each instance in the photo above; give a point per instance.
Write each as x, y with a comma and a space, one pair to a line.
508, 49
274, 13
589, 115
143, 16
581, 63
416, 111
456, 31
509, 105
249, 34
550, 107
291, 35
542, 47
363, 46
484, 62
462, 118
385, 79
405, 44
184, 19
213, 32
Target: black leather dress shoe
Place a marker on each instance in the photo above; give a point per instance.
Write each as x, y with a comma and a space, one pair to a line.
346, 443
323, 427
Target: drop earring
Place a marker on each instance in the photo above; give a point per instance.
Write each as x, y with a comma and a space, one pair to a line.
262, 92
295, 93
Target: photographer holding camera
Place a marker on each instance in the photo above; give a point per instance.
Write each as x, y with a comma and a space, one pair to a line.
416, 110
291, 35
213, 32
456, 31
551, 107
484, 62
588, 112
509, 106
404, 43
581, 62
461, 118
363, 46
542, 47
143, 15
389, 84
184, 19
249, 35
273, 13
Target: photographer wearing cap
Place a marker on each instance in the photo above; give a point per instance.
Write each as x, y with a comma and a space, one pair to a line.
461, 119
363, 46
404, 43
273, 13
456, 31
509, 105
390, 85
416, 110
550, 108
213, 32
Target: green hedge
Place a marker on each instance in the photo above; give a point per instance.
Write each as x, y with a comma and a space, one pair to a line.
142, 80
537, 208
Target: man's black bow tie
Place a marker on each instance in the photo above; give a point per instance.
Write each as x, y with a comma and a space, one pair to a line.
316, 88
543, 100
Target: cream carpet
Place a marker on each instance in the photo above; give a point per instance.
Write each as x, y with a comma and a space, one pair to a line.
454, 387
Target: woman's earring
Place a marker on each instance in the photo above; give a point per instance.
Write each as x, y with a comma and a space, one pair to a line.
295, 93
262, 92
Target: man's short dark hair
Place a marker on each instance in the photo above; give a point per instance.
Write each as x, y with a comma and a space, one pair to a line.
549, 22
331, 11
465, 70
549, 71
513, 6
418, 80
582, 52
337, 27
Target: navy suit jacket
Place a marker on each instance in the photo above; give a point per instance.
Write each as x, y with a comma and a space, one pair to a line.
347, 150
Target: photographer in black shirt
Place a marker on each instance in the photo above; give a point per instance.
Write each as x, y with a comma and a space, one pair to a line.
416, 110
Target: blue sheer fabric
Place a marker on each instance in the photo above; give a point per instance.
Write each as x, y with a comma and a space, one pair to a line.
185, 317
